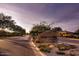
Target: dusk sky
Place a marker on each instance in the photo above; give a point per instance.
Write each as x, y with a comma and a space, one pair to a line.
65, 15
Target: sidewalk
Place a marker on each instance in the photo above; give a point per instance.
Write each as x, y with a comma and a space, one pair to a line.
36, 50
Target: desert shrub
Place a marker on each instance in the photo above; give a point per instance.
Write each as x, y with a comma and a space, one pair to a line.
65, 47
44, 48
47, 50
60, 53
38, 41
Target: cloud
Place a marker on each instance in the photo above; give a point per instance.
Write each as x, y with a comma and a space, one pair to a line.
27, 14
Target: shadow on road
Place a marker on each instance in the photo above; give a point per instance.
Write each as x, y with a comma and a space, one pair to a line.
22, 43
4, 52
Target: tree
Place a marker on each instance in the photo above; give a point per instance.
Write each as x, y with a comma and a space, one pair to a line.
39, 28
19, 30
77, 31
7, 22
56, 29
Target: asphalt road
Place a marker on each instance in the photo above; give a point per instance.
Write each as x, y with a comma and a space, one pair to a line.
18, 46
23, 46
68, 41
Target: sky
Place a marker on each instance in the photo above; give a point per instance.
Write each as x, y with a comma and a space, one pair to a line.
62, 15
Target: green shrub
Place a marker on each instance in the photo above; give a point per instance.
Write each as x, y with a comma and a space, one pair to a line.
44, 48
47, 50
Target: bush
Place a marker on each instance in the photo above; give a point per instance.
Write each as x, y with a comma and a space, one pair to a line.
47, 50
60, 53
38, 41
65, 47
44, 48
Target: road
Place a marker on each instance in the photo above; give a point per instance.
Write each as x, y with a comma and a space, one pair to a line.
68, 41
18, 46
65, 40
23, 46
